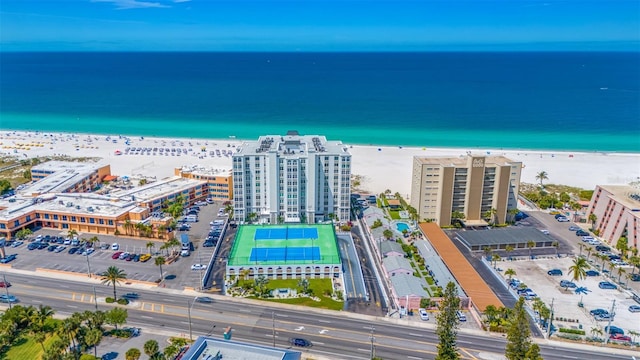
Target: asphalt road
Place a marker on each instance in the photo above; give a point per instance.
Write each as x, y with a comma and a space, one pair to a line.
334, 334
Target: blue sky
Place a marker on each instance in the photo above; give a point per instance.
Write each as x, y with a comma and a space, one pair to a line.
329, 25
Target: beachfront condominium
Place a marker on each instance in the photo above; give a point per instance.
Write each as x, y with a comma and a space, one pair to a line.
473, 189
292, 178
617, 214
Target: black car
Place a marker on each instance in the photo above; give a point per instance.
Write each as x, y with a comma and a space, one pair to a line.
300, 342
635, 277
43, 245
204, 299
32, 246
73, 250
131, 296
582, 233
602, 248
555, 272
52, 247
208, 244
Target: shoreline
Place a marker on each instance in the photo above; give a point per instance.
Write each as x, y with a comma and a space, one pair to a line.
373, 163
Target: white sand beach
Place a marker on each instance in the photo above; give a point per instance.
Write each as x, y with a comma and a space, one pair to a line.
381, 167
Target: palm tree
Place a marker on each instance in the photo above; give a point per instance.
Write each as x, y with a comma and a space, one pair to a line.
71, 233
151, 347
510, 273
171, 351
596, 331
113, 276
635, 262
620, 272
159, 261
495, 258
592, 219
541, 176
508, 249
42, 315
633, 335
92, 338
304, 284
150, 245
578, 269
487, 251
244, 273
531, 244
127, 226
132, 354
589, 251
173, 243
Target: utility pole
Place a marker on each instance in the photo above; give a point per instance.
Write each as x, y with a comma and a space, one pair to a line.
273, 327
6, 288
608, 329
373, 348
550, 324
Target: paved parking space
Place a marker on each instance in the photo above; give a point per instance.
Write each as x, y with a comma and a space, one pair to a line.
101, 259
565, 302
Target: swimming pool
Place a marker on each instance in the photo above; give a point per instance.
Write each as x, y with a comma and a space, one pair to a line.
402, 226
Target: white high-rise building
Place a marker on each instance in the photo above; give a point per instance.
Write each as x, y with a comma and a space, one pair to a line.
291, 179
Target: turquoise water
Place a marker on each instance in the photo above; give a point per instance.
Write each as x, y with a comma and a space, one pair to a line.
540, 101
402, 226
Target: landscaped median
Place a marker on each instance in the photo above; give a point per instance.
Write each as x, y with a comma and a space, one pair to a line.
317, 293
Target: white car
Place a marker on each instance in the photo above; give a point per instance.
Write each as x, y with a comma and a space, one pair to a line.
562, 219
198, 267
115, 246
423, 314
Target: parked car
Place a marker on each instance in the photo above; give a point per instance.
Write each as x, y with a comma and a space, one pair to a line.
104, 246
632, 308
7, 259
620, 337
592, 273
136, 258
123, 256
208, 244
568, 284
602, 248
582, 233
612, 330
145, 257
461, 316
635, 277
300, 342
607, 285
555, 272
574, 228
198, 267
603, 317
563, 219
73, 250
423, 314
595, 312
60, 248
116, 255
17, 243
115, 246
88, 252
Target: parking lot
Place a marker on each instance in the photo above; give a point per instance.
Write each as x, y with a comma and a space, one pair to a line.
177, 274
565, 301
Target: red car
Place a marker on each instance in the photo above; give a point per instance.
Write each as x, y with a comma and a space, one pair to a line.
620, 337
4, 284
116, 255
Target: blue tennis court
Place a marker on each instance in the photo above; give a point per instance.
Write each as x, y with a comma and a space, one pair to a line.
285, 254
284, 233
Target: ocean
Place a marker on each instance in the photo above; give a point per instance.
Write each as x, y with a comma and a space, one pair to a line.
581, 101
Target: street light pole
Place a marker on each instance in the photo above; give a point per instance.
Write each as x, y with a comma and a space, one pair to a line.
373, 348
273, 327
189, 313
95, 297
88, 267
6, 288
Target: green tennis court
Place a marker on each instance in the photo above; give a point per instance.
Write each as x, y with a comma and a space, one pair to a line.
252, 242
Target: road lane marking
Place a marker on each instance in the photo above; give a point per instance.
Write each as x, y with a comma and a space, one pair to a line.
413, 357
146, 317
414, 334
325, 321
468, 353
361, 349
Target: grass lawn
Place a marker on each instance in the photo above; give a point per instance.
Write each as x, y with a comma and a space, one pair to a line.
319, 287
395, 214
26, 348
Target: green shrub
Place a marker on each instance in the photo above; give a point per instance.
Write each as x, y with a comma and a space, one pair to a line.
429, 280
571, 331
569, 336
109, 300
123, 301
